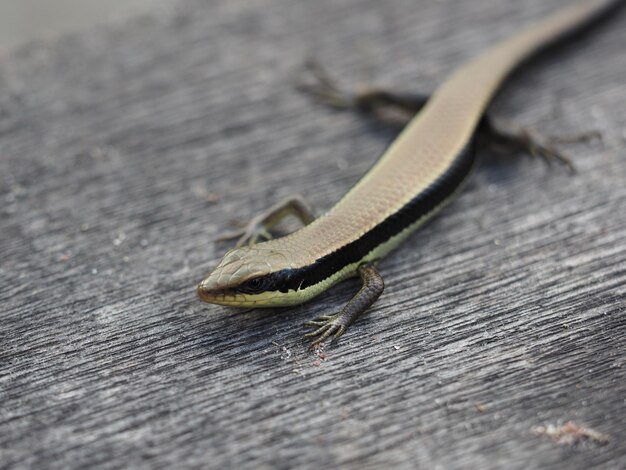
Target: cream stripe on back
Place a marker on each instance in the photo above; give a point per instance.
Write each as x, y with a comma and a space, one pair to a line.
429, 144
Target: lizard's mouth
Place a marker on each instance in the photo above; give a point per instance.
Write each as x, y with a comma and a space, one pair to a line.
214, 295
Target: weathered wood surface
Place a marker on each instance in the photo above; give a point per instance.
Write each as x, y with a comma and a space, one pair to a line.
504, 314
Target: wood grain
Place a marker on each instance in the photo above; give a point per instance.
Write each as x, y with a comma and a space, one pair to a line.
125, 150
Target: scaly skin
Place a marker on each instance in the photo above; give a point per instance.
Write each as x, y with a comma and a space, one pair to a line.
423, 169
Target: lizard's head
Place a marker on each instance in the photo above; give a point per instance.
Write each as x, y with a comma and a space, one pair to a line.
256, 276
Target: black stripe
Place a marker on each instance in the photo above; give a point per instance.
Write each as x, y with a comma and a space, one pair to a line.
421, 205
353, 252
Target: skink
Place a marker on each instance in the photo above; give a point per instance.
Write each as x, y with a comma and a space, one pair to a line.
421, 172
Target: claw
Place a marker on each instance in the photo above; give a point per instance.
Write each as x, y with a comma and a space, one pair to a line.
258, 229
321, 321
328, 325
251, 237
320, 74
325, 318
246, 236
549, 155
325, 89
339, 332
226, 236
314, 323
317, 332
324, 333
510, 138
575, 138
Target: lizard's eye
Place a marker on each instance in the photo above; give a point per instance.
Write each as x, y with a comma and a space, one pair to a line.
254, 285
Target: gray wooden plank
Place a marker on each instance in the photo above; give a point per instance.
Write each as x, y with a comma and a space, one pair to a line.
504, 314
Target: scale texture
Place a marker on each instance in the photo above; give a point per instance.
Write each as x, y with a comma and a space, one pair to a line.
124, 151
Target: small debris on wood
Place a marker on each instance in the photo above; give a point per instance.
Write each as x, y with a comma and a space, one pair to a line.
571, 434
213, 198
285, 352
318, 349
208, 196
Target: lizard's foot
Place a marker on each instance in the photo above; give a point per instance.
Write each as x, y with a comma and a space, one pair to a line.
508, 138
326, 325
